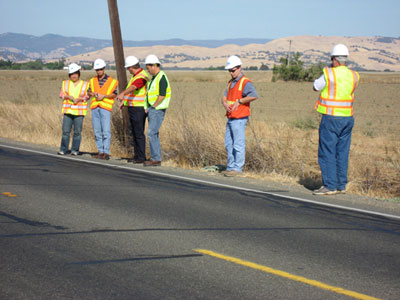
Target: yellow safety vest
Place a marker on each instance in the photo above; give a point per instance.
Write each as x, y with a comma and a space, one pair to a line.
138, 96
153, 91
337, 97
76, 91
108, 87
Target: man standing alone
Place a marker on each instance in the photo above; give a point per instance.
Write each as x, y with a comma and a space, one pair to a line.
157, 101
335, 103
134, 97
236, 101
103, 91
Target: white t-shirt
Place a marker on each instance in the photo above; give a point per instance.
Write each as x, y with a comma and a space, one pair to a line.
320, 83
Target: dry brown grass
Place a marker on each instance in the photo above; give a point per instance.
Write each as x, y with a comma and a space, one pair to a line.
281, 138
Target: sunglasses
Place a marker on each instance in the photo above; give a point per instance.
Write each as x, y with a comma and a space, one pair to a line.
232, 70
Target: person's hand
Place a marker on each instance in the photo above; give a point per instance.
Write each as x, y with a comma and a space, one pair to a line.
99, 97
120, 97
235, 106
227, 107
121, 105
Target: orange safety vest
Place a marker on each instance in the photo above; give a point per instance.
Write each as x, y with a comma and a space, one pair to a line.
79, 109
138, 96
337, 97
234, 94
108, 87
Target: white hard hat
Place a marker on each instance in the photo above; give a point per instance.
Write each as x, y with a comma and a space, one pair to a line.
131, 61
99, 64
72, 68
152, 59
233, 61
340, 50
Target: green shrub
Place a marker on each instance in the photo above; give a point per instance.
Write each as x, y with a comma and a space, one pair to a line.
294, 70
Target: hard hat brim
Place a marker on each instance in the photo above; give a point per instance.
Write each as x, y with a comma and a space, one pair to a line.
231, 67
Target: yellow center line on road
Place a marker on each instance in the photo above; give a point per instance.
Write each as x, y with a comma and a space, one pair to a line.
286, 275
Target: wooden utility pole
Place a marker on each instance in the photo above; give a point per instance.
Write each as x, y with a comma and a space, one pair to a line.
119, 58
117, 43
290, 49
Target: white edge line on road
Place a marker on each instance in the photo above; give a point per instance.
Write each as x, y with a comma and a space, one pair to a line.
210, 183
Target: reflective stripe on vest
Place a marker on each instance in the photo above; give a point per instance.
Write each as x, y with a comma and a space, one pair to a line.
76, 91
138, 96
234, 94
337, 97
107, 89
153, 91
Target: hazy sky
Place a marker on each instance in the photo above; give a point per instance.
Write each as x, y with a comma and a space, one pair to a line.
203, 19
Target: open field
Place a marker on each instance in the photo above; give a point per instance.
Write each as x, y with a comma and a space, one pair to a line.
282, 136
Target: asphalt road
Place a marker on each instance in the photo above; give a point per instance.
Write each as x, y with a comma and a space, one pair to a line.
75, 230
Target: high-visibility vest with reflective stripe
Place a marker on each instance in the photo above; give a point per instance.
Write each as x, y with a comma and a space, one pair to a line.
107, 89
76, 91
337, 97
153, 91
233, 95
138, 96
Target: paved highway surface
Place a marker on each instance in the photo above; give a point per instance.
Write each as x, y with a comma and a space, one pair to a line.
75, 230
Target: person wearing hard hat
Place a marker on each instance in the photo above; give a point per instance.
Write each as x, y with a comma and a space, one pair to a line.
335, 103
133, 97
103, 90
74, 95
157, 101
236, 101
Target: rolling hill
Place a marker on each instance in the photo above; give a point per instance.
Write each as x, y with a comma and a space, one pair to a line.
22, 47
370, 53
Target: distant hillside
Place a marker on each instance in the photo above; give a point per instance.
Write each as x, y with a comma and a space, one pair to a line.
22, 47
366, 53
370, 53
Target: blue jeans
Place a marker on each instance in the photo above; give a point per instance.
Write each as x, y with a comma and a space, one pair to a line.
333, 150
68, 121
101, 119
235, 143
156, 118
